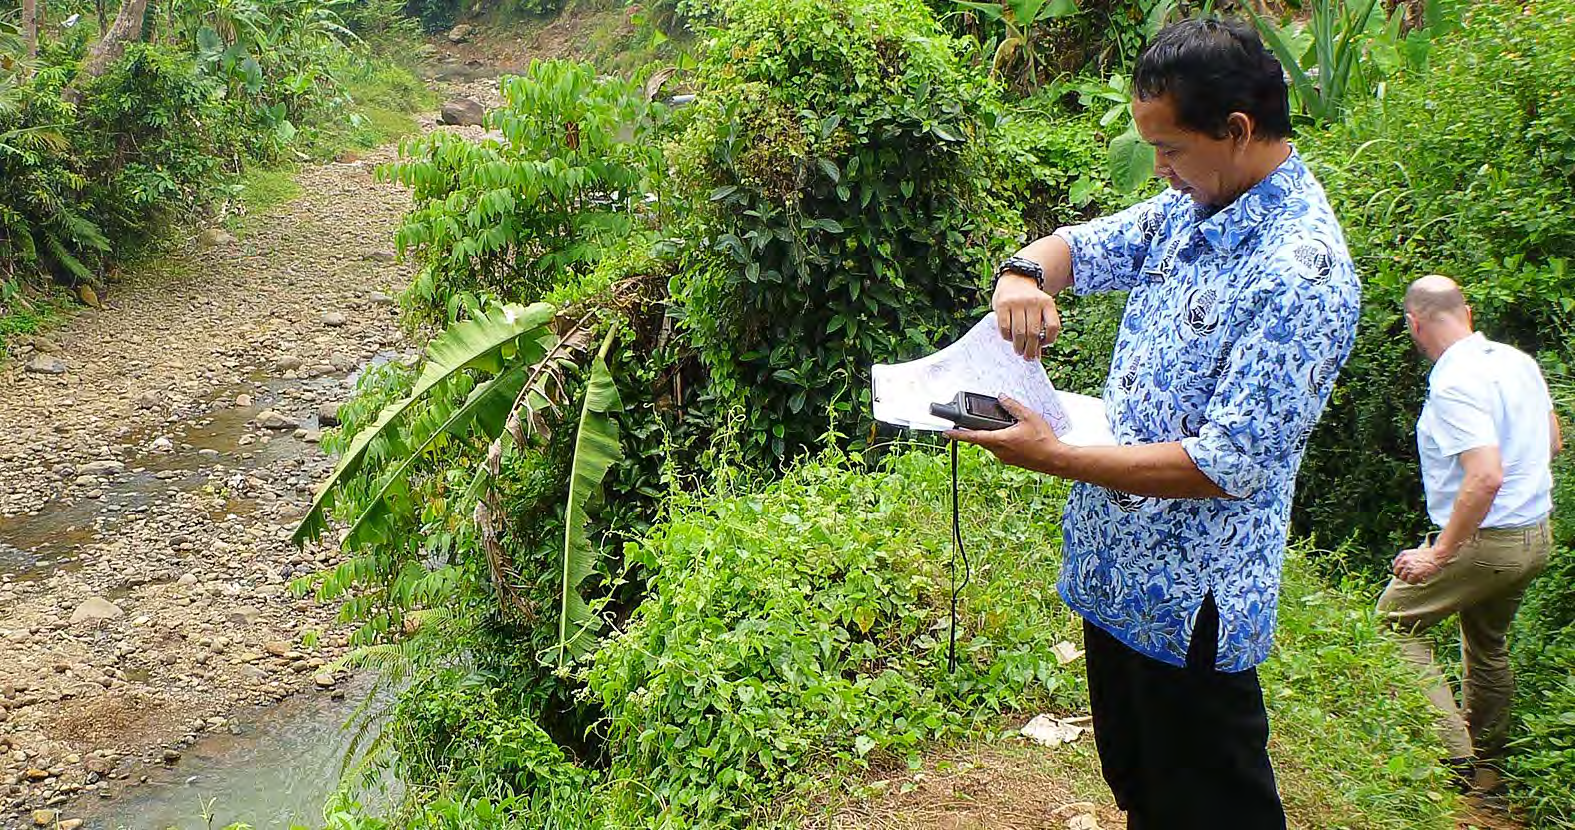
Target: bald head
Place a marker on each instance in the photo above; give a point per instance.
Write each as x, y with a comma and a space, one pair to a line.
1435, 296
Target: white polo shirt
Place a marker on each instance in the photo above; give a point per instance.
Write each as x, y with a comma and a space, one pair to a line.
1480, 394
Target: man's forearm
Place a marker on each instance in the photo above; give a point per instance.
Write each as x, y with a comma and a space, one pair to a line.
1159, 470
1053, 255
1475, 499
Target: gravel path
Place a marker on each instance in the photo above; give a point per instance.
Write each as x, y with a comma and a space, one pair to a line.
148, 490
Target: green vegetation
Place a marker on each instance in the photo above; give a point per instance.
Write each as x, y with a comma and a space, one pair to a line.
734, 633
793, 642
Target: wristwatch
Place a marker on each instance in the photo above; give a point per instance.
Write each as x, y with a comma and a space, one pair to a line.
1023, 266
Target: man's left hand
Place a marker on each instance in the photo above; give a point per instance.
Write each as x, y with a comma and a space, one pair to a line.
1417, 565
1030, 443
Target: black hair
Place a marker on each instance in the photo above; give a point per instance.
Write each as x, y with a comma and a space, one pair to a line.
1212, 68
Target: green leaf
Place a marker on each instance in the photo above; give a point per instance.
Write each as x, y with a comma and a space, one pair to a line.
1131, 161
863, 744
487, 407
477, 343
596, 449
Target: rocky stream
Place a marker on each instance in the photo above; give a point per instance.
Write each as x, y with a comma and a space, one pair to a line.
155, 455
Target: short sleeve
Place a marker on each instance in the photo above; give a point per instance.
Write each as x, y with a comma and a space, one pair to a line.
1297, 326
1460, 421
1108, 253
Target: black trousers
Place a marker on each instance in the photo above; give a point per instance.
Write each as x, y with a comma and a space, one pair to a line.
1182, 747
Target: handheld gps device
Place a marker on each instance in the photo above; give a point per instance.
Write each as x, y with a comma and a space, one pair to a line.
971, 410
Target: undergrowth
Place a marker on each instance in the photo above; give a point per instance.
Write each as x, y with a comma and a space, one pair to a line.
793, 641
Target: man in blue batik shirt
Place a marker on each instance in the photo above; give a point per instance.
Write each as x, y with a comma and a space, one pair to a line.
1243, 307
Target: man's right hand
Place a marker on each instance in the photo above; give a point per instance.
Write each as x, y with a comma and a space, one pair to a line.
1026, 315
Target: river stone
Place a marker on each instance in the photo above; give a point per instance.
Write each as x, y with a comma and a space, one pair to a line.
462, 112
324, 680
243, 400
162, 444
100, 468
328, 414
43, 818
245, 615
269, 419
47, 365
95, 608
149, 400
334, 319
460, 33
71, 824
36, 774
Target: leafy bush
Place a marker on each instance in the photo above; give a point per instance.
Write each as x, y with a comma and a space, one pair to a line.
847, 212
804, 630
519, 217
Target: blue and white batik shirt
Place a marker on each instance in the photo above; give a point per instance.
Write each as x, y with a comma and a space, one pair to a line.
1237, 323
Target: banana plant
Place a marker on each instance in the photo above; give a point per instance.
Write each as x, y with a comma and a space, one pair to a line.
596, 449
1019, 17
496, 343
1327, 71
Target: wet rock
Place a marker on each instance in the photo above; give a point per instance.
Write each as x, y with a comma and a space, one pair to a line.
43, 818
378, 298
149, 400
324, 680
71, 824
47, 365
334, 319
161, 444
328, 415
269, 419
246, 615
462, 112
214, 237
243, 400
287, 363
101, 468
96, 608
460, 33
171, 757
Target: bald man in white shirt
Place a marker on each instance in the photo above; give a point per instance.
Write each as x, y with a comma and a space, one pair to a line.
1486, 437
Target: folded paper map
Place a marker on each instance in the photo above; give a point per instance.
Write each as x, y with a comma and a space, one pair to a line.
983, 363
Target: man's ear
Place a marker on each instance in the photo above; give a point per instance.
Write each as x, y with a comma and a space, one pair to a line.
1239, 128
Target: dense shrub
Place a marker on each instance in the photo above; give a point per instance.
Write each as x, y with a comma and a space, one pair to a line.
1463, 170
845, 214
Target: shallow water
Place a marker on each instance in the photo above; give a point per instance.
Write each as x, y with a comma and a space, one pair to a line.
276, 774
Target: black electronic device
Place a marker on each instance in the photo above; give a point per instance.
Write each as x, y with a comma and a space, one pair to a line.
970, 410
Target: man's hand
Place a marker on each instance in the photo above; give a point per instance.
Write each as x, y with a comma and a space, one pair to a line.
1026, 315
1415, 566
1030, 443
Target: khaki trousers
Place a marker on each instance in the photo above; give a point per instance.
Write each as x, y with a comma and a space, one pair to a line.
1484, 584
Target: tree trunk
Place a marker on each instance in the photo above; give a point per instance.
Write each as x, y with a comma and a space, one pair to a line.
103, 18
126, 29
29, 30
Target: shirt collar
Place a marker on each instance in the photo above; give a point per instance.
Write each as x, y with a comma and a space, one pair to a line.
1472, 342
1228, 226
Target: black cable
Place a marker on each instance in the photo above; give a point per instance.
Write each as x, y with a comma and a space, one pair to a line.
957, 551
